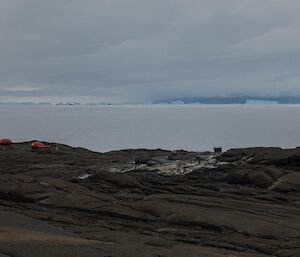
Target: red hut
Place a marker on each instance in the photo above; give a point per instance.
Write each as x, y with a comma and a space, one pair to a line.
5, 141
36, 144
41, 147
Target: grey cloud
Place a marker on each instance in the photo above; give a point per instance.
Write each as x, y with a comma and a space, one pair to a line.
137, 50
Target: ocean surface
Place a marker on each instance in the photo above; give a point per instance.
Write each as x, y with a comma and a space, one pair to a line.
189, 127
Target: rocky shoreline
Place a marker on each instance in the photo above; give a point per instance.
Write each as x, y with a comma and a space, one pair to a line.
74, 202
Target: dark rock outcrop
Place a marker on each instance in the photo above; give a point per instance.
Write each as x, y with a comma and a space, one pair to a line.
70, 203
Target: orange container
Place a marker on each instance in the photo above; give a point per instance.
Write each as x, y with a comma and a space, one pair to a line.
5, 141
36, 145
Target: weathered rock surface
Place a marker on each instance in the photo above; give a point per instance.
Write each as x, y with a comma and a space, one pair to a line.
155, 203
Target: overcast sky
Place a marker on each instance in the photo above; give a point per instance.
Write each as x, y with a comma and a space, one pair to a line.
147, 50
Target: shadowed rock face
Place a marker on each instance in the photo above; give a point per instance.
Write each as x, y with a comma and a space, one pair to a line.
154, 203
273, 168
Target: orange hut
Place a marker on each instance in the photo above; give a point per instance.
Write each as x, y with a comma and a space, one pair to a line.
5, 141
41, 147
36, 145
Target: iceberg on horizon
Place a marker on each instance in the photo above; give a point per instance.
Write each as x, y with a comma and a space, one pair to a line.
258, 101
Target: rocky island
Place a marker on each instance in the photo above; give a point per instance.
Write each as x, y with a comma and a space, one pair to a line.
151, 203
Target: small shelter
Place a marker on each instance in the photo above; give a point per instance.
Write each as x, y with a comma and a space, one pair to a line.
5, 141
218, 150
41, 147
36, 145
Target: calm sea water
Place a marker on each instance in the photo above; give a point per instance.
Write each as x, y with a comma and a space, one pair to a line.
196, 127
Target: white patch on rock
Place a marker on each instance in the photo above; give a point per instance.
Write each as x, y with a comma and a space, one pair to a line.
84, 176
176, 167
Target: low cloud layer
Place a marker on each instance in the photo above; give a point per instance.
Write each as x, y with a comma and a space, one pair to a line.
143, 51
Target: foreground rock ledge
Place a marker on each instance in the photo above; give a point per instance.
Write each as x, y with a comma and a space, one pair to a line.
74, 202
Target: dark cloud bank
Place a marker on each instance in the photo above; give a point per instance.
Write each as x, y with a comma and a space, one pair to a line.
145, 51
